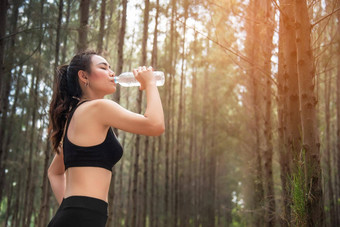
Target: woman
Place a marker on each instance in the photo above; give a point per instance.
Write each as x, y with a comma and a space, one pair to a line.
85, 146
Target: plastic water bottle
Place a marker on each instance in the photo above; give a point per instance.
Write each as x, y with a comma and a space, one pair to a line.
127, 79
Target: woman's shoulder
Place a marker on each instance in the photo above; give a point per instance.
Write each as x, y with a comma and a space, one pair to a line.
99, 107
98, 103
92, 111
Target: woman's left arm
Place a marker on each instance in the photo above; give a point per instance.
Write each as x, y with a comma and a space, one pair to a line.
56, 176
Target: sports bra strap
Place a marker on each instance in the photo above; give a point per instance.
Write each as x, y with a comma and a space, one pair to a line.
68, 119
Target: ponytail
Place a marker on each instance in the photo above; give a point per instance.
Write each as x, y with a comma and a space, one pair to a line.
66, 94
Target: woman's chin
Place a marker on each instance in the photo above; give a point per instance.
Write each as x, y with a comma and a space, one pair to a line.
112, 90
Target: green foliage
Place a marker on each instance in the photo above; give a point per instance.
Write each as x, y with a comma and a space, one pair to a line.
298, 195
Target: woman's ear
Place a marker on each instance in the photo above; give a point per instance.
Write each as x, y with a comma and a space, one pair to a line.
82, 75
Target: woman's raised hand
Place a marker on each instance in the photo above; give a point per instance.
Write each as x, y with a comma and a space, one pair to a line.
144, 76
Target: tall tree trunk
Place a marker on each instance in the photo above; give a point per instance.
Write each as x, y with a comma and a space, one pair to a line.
293, 138
168, 117
294, 122
180, 125
310, 141
101, 34
212, 154
3, 21
112, 7
120, 50
139, 110
29, 181
83, 27
44, 204
130, 174
34, 97
203, 204
267, 49
57, 41
5, 86
5, 79
255, 85
145, 182
9, 203
153, 200
129, 194
121, 193
155, 38
112, 192
46, 190
67, 19
158, 177
332, 213
153, 197
120, 62
338, 118
120, 202
146, 146
282, 128
192, 142
13, 114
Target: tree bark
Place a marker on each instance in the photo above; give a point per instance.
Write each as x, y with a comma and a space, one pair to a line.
120, 62
3, 20
267, 48
112, 7
46, 190
212, 154
145, 182
101, 33
294, 120
146, 142
328, 177
29, 196
180, 126
120, 50
9, 203
193, 137
83, 27
338, 118
139, 110
5, 79
282, 129
44, 204
254, 86
112, 192
153, 148
311, 147
67, 19
169, 115
5, 86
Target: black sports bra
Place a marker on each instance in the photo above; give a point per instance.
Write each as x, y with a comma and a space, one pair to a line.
104, 155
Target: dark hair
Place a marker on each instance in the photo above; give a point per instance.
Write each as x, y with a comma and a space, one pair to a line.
66, 94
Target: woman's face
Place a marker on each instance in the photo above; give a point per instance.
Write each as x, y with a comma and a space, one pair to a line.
101, 78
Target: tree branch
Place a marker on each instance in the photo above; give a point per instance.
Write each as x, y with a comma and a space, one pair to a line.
244, 58
325, 17
278, 7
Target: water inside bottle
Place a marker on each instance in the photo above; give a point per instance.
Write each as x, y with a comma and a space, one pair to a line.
128, 80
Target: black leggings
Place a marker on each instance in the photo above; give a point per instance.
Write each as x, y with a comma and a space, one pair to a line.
80, 211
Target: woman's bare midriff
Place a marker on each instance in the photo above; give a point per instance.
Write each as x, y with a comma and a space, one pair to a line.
88, 181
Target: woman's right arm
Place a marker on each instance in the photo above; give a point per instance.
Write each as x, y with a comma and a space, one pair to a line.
56, 176
150, 124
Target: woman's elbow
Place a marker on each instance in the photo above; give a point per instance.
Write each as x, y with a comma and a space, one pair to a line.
161, 129
157, 130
